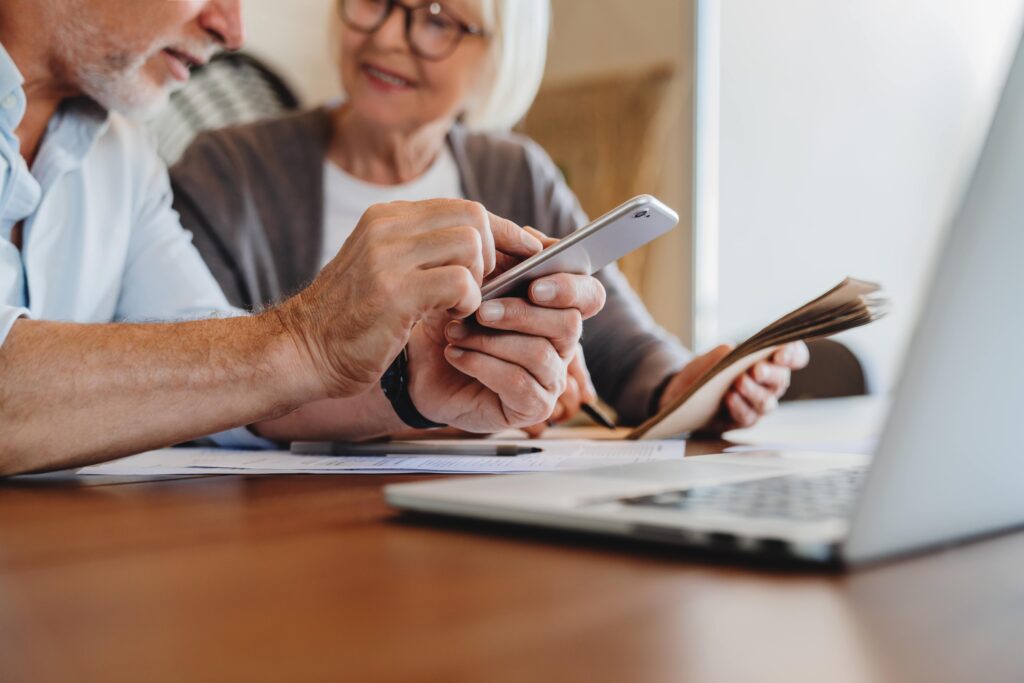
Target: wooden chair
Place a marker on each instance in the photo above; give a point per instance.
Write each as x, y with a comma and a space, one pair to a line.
604, 135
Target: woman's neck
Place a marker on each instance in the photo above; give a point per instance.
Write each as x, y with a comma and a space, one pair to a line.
383, 157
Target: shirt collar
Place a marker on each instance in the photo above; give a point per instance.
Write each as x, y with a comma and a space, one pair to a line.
12, 96
70, 135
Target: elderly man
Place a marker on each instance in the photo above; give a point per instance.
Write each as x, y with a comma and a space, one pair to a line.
88, 243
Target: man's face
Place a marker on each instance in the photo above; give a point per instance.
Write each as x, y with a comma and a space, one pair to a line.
129, 55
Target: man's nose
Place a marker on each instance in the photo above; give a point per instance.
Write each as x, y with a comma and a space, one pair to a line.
223, 20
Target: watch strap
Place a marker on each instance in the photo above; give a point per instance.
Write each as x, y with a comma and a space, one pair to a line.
395, 384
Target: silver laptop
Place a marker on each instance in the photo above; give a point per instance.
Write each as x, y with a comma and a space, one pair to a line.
949, 465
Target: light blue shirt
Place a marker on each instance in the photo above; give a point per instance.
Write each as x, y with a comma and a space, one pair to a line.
100, 241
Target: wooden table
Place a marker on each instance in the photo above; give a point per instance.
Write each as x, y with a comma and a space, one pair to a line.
287, 578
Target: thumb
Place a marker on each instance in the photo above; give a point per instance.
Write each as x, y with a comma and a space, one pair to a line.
693, 371
701, 364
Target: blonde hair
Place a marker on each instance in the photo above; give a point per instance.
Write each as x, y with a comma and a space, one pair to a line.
517, 54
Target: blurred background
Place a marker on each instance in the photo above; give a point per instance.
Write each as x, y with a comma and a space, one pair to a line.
801, 141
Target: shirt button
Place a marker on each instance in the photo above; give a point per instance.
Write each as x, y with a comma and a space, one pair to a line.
9, 102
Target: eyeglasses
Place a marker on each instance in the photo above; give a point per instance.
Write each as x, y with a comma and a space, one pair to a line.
432, 32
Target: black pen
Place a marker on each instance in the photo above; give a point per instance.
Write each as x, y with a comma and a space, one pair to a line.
595, 414
409, 448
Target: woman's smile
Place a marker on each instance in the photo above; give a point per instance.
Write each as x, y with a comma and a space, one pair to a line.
386, 79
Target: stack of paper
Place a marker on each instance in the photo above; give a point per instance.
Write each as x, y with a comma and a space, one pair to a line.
555, 455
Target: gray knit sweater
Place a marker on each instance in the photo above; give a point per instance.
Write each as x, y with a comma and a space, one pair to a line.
252, 196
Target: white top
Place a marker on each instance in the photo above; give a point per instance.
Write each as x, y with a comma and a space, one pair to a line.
346, 198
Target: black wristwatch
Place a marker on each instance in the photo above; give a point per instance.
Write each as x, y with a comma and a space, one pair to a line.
395, 383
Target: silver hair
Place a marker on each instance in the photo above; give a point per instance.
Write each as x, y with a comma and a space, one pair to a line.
517, 57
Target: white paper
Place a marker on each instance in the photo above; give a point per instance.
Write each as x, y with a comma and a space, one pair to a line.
556, 455
855, 421
865, 446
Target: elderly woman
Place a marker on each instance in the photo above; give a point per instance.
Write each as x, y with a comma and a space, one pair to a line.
428, 89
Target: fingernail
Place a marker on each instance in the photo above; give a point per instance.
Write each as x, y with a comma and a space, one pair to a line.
454, 352
761, 372
456, 330
544, 291
771, 404
491, 311
529, 240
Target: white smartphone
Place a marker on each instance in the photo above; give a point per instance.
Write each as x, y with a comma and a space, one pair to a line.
591, 248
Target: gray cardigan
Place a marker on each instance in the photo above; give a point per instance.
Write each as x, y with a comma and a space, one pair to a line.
252, 196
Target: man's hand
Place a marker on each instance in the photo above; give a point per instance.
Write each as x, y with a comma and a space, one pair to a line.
579, 389
507, 368
753, 395
404, 262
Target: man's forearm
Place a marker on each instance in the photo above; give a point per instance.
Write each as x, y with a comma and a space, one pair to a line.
74, 394
364, 416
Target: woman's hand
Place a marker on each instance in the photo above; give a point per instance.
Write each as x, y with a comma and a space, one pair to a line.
753, 395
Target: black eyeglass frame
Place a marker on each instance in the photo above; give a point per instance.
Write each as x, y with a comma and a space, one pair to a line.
435, 9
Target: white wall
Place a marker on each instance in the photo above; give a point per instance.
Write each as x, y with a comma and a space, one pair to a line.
847, 130
292, 35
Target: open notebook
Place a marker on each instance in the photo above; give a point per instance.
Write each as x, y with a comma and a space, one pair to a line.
849, 304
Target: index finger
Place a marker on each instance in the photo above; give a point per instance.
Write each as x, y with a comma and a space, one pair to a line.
546, 240
505, 262
510, 239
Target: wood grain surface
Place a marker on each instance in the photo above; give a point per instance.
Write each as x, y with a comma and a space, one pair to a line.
296, 578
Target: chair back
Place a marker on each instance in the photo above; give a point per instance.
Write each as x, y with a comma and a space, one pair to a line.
233, 88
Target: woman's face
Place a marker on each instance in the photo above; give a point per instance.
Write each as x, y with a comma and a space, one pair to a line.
394, 88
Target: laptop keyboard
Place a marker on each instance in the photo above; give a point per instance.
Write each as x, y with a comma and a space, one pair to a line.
803, 497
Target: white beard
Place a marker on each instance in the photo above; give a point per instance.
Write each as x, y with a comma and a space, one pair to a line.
127, 92
111, 77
